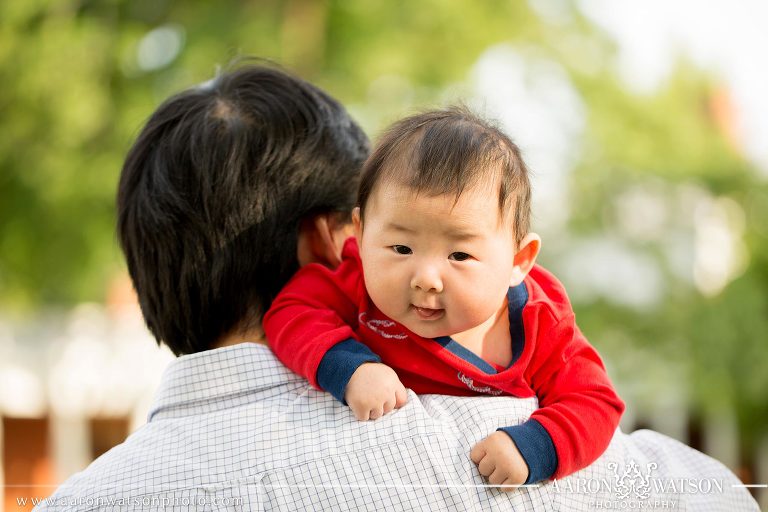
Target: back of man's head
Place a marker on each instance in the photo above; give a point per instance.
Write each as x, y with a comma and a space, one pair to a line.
212, 193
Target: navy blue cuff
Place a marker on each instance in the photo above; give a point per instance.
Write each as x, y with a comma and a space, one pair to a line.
339, 363
536, 447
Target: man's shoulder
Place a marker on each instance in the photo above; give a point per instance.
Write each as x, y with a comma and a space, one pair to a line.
165, 464
254, 452
106, 482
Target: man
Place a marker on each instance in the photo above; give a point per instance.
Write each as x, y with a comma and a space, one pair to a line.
228, 189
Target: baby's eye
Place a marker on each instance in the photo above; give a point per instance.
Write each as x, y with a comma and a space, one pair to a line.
459, 256
401, 249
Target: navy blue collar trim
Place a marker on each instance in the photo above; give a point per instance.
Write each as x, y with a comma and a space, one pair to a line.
517, 298
467, 355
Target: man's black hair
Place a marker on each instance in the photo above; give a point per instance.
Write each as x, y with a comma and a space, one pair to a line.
212, 194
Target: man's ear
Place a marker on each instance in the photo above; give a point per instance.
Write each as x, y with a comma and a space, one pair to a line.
357, 224
525, 257
321, 239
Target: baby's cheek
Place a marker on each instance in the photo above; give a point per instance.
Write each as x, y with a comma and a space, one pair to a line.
386, 297
467, 303
483, 299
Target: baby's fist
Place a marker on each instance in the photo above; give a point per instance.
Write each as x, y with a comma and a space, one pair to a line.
498, 458
374, 390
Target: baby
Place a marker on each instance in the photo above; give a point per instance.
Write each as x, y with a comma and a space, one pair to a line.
439, 292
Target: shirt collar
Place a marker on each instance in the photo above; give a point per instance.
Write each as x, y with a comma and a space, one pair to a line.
216, 379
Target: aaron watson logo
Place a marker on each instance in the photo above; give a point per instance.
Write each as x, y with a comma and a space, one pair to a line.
632, 481
633, 484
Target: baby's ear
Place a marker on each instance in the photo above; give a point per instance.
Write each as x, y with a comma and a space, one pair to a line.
525, 257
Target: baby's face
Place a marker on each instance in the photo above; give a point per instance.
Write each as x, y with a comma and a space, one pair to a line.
437, 266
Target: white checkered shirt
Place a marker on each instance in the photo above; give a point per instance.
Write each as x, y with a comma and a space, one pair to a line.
233, 429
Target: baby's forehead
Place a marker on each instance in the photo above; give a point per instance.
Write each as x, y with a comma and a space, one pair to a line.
473, 209
404, 172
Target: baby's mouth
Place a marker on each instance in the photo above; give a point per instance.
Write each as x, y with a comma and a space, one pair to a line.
428, 313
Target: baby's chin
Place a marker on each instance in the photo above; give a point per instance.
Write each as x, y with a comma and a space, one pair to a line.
428, 331
422, 328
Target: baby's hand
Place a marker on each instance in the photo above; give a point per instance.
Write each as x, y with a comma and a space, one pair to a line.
374, 390
498, 458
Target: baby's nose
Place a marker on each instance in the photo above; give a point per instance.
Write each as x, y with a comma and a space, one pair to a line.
427, 279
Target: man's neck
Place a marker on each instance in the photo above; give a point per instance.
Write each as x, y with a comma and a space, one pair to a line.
235, 338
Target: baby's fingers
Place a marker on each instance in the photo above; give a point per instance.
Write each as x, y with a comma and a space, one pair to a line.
477, 453
390, 404
361, 413
486, 466
497, 477
401, 397
377, 412
508, 486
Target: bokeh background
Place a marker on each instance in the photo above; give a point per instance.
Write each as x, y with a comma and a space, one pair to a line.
645, 124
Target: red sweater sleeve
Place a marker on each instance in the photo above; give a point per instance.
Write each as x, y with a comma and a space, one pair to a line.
313, 312
578, 405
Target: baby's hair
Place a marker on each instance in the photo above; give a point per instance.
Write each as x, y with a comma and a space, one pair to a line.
446, 151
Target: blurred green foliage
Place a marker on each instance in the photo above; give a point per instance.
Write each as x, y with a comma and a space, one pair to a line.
73, 95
